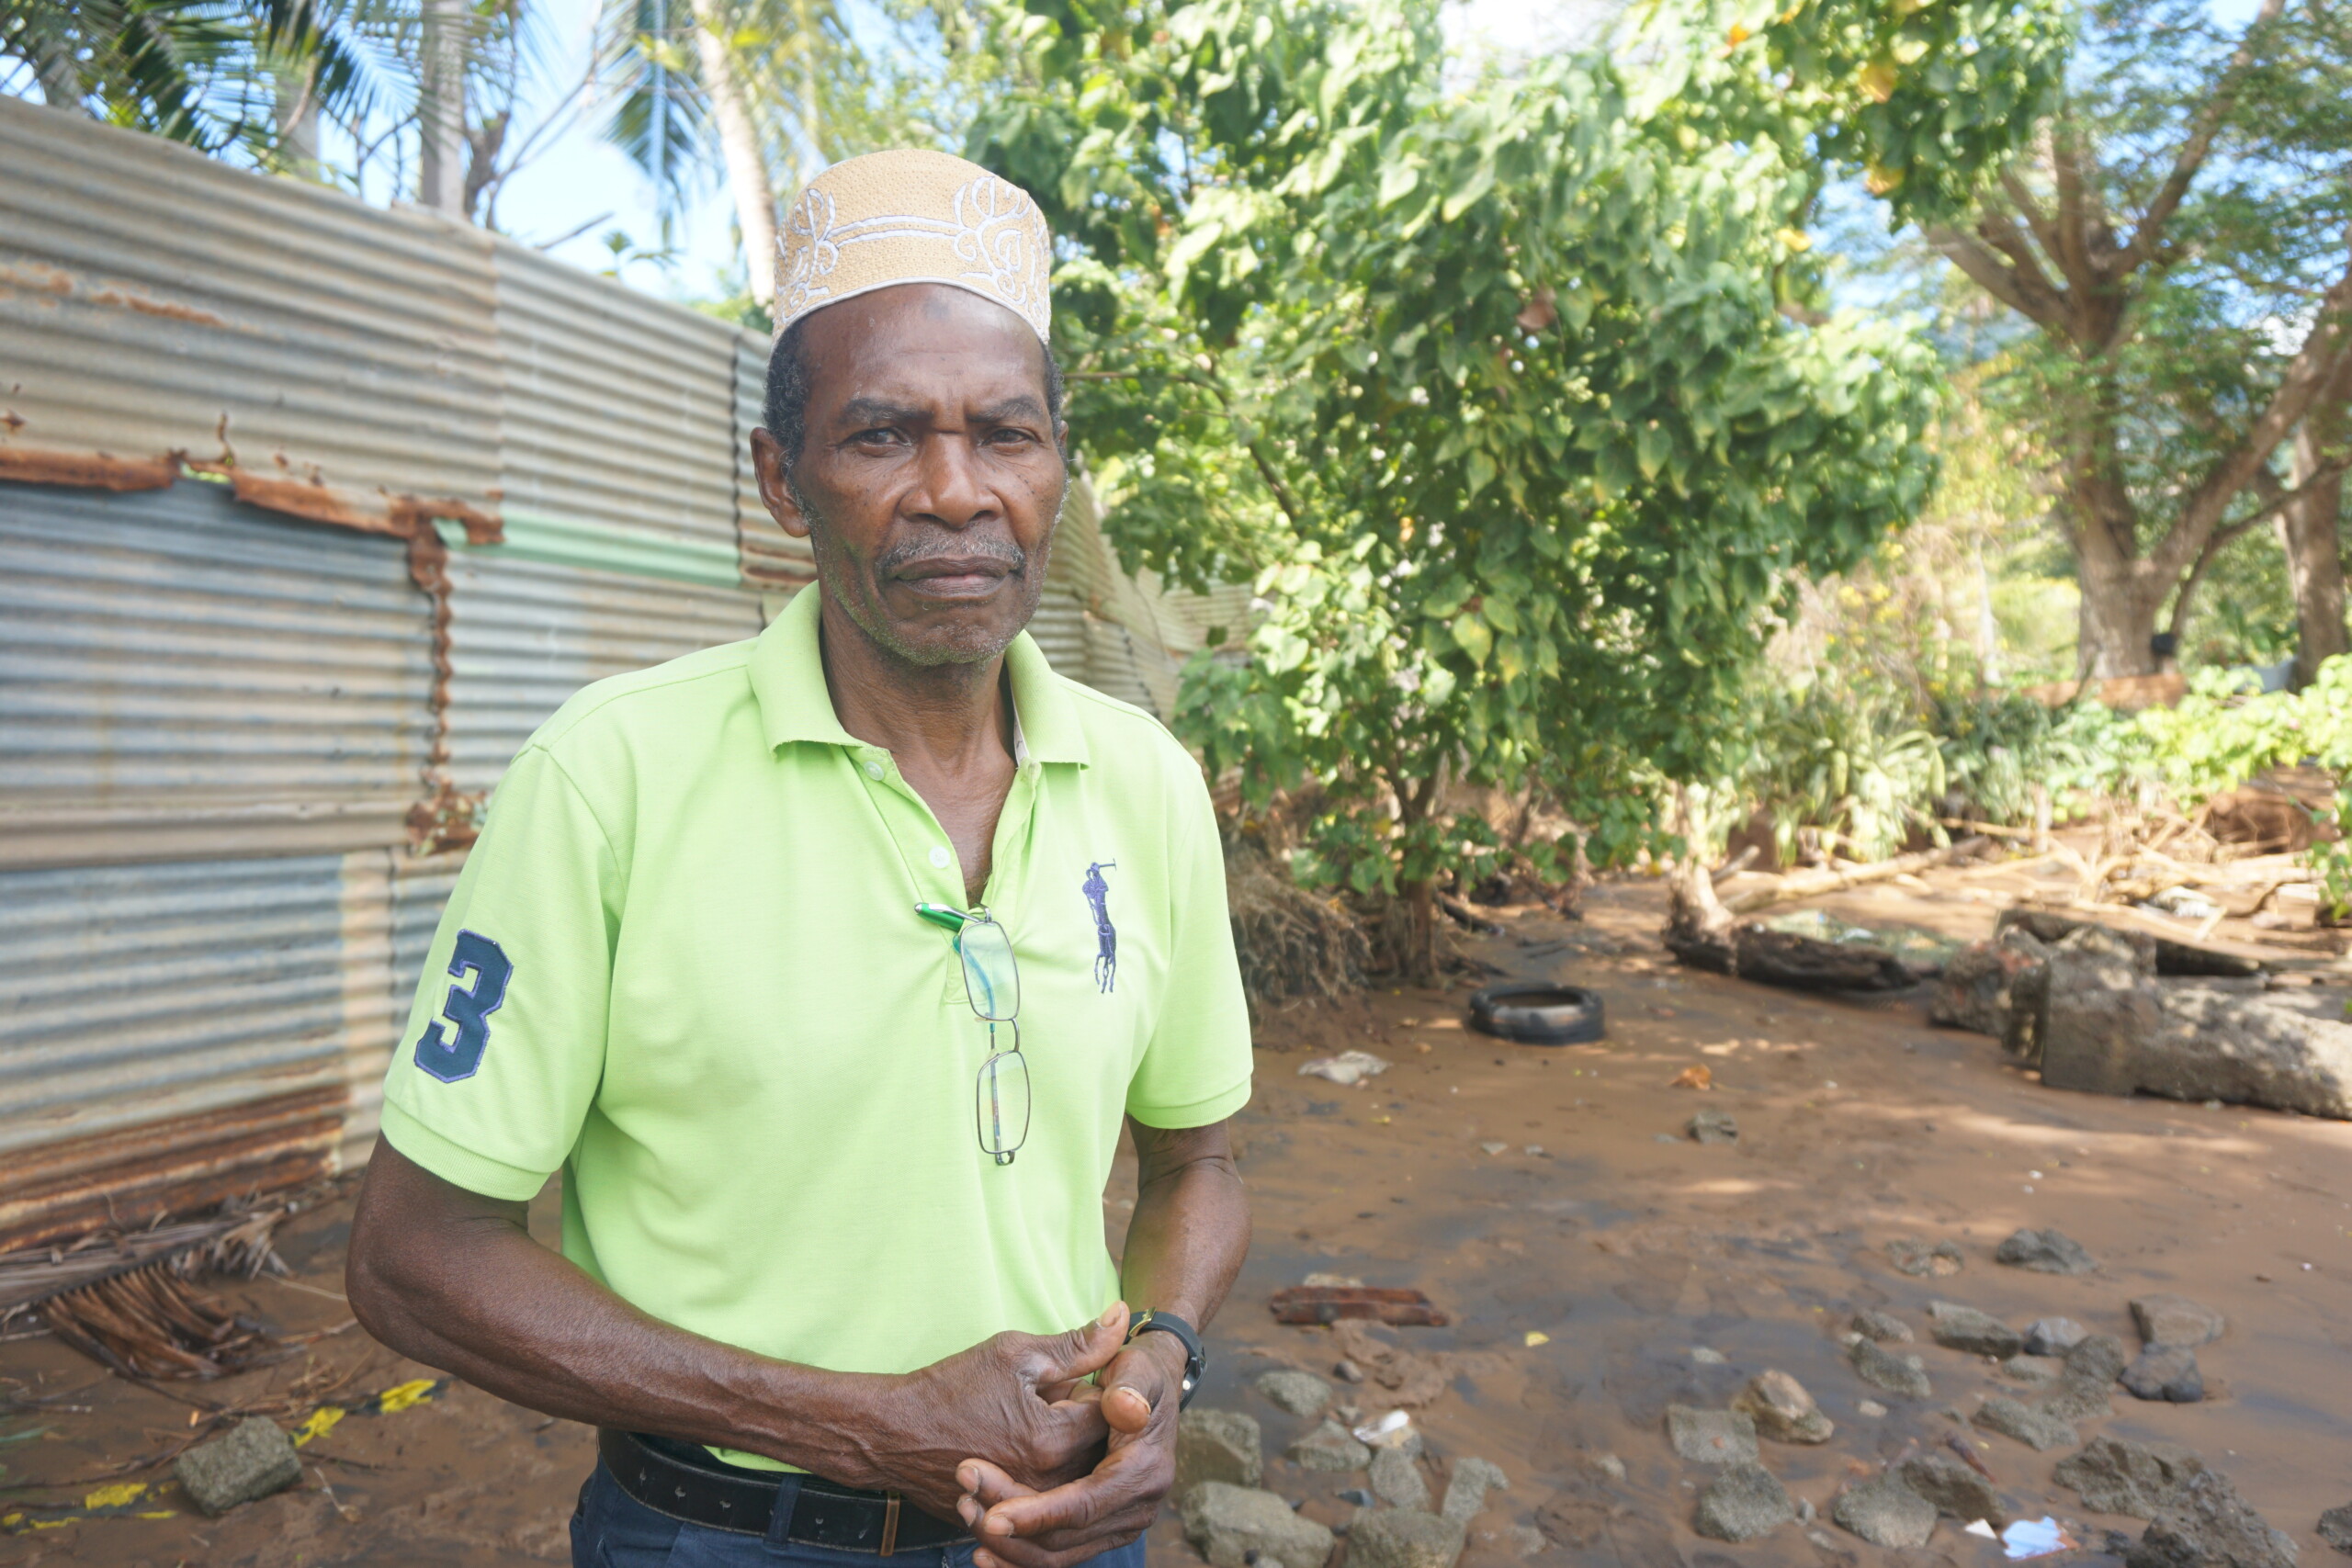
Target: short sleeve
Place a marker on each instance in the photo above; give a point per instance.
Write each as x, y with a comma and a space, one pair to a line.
1196, 1070
506, 1041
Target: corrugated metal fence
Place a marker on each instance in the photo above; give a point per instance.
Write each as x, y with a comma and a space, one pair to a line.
310, 513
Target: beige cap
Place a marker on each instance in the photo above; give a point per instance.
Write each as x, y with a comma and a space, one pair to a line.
911, 216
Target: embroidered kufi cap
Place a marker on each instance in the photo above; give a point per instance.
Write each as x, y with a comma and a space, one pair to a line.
911, 216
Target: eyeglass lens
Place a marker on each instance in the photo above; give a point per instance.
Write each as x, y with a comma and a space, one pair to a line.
991, 979
1002, 1094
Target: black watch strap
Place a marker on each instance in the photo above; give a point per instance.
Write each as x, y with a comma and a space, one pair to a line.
1196, 1359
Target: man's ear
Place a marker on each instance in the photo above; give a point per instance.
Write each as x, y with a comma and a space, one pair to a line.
768, 462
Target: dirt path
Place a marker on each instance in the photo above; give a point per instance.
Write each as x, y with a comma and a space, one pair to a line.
1596, 1228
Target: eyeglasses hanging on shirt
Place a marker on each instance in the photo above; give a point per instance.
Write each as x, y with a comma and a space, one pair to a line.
993, 986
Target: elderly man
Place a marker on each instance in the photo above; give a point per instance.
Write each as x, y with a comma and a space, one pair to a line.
826, 967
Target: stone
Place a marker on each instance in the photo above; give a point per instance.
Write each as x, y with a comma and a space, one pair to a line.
1905, 1375
1526, 1540
2100, 1358
1235, 1527
1328, 1448
1884, 1512
2044, 1252
2098, 1005
1977, 988
1782, 1411
1397, 1479
1466, 1489
2038, 1430
2243, 1049
2336, 1528
1957, 1327
1217, 1445
250, 1460
1744, 1502
1347, 1371
2053, 1336
1713, 1126
2175, 1320
1871, 1407
1883, 1326
2165, 1372
1923, 1260
1711, 1437
1404, 1538
2210, 1526
1301, 1393
2035, 1371
1953, 1486
1611, 1466
2112, 1475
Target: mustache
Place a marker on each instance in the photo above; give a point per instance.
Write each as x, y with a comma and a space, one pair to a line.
916, 552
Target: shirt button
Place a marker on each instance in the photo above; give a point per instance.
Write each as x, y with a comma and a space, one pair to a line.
940, 857
873, 770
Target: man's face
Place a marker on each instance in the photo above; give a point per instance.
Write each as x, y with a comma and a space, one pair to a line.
931, 474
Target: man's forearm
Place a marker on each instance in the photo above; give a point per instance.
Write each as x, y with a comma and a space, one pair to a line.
474, 1295
1191, 1228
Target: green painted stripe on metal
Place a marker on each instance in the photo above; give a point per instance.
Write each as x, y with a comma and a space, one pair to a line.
570, 541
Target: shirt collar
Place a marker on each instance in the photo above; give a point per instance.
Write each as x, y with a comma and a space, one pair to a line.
789, 680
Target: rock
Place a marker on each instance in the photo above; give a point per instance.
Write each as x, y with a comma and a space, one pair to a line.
1397, 1480
2246, 1049
1712, 1127
2038, 1372
1923, 1260
1235, 1527
1217, 1445
1611, 1466
1957, 1327
1711, 1437
1883, 1326
1526, 1540
1905, 1375
1974, 992
2053, 1336
1782, 1411
250, 1460
2175, 1320
1871, 1407
1884, 1512
1328, 1448
2114, 1476
2210, 1526
2098, 1006
2165, 1372
1708, 1356
1301, 1393
1404, 1538
1743, 1503
2038, 1430
2336, 1528
1953, 1487
2044, 1252
1357, 1497
1347, 1371
1466, 1489
2100, 1358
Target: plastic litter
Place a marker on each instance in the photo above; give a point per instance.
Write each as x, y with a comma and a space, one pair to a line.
1346, 1069
1387, 1432
2035, 1538
1986, 1530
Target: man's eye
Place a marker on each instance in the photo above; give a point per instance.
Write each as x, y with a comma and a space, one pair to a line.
1012, 437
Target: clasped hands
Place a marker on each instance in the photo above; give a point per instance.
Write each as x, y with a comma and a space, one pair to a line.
1043, 1466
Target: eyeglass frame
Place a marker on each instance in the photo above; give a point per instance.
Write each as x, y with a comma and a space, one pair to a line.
957, 923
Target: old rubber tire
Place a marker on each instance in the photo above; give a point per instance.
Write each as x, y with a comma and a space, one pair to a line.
1537, 1013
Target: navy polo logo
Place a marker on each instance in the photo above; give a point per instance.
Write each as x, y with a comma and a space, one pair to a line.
1106, 936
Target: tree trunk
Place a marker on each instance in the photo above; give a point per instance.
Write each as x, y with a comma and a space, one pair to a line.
738, 141
2117, 625
1420, 910
441, 108
2308, 528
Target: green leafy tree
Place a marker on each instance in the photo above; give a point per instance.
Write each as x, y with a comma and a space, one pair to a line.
1517, 402
2179, 236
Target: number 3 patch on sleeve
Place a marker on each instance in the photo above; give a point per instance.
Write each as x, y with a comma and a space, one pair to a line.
467, 1010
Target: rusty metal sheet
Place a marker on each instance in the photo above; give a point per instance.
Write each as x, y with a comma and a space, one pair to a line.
154, 300
618, 410
769, 556
184, 676
524, 635
174, 1034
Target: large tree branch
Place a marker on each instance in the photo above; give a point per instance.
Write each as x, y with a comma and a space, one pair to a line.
2018, 282
2308, 378
2149, 236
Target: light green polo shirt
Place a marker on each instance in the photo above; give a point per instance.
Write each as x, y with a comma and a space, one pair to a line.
682, 965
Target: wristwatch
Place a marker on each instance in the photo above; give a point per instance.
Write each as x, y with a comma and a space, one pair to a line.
1196, 1359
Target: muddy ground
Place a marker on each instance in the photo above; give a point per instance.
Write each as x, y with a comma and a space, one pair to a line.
1536, 1194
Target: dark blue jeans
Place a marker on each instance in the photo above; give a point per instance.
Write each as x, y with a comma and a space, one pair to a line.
613, 1530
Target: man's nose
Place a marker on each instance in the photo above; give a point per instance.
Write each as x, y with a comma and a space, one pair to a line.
951, 490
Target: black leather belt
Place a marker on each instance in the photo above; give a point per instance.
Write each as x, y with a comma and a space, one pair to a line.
685, 1482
